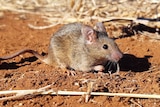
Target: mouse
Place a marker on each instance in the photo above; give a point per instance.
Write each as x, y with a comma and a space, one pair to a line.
78, 47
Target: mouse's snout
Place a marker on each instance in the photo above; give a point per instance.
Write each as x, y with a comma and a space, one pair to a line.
116, 56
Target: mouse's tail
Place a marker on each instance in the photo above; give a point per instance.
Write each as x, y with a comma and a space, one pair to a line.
36, 54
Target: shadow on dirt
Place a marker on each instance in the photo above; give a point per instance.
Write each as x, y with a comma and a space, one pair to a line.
15, 65
132, 29
132, 63
129, 63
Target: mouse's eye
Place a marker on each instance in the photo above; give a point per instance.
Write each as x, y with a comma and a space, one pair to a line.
105, 46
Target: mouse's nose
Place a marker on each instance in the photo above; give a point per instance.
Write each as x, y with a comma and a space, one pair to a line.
116, 56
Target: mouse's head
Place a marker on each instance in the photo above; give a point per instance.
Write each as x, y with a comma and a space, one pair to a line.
99, 46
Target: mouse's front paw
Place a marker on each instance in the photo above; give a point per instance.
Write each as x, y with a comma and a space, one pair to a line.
99, 68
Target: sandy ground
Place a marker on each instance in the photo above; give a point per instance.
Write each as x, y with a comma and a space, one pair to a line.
139, 71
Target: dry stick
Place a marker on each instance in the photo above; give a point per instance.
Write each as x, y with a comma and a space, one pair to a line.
151, 35
144, 21
42, 91
16, 10
41, 27
107, 94
135, 103
22, 93
89, 90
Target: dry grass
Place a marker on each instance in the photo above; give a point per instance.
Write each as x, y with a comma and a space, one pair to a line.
66, 11
47, 90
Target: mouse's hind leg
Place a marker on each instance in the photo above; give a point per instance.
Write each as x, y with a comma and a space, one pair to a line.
68, 70
63, 63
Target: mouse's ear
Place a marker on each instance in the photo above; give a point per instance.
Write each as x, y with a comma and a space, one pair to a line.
89, 34
100, 27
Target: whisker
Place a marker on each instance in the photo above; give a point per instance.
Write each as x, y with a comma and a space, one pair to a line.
109, 62
110, 66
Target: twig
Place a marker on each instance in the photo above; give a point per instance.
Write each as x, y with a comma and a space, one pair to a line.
42, 27
43, 91
21, 93
151, 35
148, 22
89, 90
135, 103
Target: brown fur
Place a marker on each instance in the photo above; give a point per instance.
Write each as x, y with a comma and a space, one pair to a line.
79, 47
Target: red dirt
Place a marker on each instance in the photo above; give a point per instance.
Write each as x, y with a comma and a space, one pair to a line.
25, 72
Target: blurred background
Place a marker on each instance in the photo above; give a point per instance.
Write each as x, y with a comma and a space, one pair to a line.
66, 11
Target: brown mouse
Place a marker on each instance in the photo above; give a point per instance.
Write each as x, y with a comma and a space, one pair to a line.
79, 47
